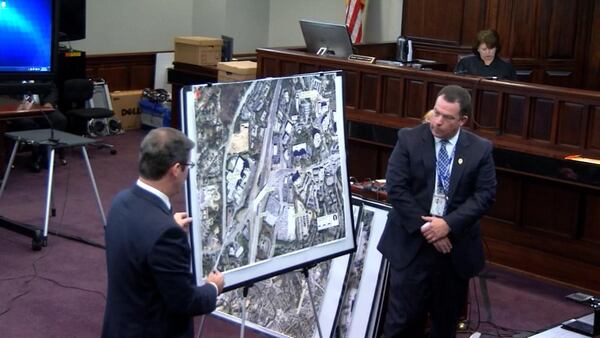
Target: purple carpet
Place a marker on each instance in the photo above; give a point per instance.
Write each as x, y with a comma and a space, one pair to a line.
60, 291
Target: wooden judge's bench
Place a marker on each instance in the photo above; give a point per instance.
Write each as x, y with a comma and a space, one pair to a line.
546, 217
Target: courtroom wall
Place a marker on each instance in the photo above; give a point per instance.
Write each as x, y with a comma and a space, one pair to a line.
383, 22
115, 26
246, 21
150, 25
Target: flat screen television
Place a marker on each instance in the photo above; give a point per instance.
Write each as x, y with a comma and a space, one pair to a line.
326, 38
28, 34
71, 20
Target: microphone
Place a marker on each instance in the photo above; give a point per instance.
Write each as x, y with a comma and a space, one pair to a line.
52, 140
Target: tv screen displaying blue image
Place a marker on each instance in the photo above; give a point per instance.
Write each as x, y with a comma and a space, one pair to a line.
26, 28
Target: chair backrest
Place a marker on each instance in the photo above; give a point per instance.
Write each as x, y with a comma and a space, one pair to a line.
76, 91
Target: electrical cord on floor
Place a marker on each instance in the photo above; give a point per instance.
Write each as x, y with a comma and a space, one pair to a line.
506, 331
35, 275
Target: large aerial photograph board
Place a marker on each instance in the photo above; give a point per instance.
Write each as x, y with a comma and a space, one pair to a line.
269, 192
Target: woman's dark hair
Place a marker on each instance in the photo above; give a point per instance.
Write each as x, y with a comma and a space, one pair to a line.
490, 38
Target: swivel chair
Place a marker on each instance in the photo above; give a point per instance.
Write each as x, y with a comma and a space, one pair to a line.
84, 120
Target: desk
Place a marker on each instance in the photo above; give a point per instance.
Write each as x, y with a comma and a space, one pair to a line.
558, 332
52, 139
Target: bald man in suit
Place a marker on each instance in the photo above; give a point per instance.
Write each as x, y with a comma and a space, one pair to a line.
440, 181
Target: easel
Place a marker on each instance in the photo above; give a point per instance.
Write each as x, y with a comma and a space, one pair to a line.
246, 288
47, 137
312, 300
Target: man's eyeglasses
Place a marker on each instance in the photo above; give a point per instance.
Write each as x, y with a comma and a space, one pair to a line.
188, 164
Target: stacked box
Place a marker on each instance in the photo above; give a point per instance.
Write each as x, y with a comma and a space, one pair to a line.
198, 50
125, 105
155, 114
236, 71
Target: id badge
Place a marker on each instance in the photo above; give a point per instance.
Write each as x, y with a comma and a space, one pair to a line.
438, 205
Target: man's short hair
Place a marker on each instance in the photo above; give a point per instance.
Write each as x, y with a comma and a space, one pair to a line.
161, 149
454, 93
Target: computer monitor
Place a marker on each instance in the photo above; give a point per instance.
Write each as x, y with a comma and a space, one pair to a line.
326, 38
28, 34
227, 48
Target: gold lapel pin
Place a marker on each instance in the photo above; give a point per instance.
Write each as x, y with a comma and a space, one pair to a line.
460, 161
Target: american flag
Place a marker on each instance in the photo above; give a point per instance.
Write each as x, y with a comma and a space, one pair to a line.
355, 9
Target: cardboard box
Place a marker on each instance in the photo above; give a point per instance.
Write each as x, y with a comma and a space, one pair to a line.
236, 71
198, 50
126, 107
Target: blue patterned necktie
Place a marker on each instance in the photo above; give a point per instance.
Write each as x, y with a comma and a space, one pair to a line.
443, 166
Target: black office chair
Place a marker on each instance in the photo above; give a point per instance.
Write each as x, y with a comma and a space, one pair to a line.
83, 120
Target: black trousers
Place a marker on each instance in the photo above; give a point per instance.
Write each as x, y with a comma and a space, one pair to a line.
427, 287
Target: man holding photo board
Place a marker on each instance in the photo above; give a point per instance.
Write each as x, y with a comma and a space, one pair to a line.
151, 292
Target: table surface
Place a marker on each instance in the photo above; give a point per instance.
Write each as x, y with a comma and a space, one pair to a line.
15, 109
558, 332
45, 136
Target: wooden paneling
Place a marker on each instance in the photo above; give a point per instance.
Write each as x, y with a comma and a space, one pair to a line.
452, 23
351, 90
363, 160
446, 15
550, 208
591, 229
414, 99
308, 68
573, 271
508, 199
123, 71
592, 63
571, 122
487, 112
516, 115
558, 33
393, 95
270, 67
553, 42
593, 126
142, 76
369, 94
560, 77
434, 88
542, 119
520, 39
289, 68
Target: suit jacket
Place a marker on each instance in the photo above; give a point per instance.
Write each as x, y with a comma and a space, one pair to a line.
410, 181
151, 292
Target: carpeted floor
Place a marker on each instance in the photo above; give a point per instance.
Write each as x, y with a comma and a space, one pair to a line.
60, 291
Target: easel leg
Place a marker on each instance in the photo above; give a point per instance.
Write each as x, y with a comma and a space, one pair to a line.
89, 168
48, 196
201, 326
9, 166
312, 300
244, 298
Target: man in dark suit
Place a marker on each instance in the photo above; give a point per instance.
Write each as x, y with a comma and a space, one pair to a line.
151, 292
440, 181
